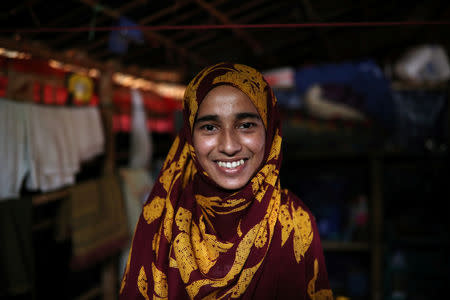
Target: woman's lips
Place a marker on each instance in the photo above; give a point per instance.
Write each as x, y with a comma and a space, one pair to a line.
230, 167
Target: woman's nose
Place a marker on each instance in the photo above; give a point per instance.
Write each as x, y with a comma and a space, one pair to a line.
229, 142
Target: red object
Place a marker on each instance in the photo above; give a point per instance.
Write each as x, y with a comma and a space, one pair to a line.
159, 111
3, 85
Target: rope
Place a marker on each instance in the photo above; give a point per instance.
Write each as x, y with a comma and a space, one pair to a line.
226, 26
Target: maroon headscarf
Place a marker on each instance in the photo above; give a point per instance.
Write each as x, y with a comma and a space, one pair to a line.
195, 240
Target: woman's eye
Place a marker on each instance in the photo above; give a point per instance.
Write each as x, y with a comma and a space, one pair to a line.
208, 127
247, 125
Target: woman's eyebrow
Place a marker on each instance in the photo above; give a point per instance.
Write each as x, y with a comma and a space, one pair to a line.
246, 115
239, 116
207, 118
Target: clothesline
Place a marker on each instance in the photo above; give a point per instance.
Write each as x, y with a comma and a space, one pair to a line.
225, 26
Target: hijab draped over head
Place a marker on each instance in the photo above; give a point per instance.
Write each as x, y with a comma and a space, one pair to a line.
194, 239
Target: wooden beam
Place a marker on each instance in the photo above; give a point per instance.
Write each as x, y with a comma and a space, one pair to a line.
177, 19
312, 16
117, 13
183, 17
63, 19
17, 8
44, 52
224, 19
243, 20
105, 93
161, 13
244, 7
153, 36
145, 20
376, 209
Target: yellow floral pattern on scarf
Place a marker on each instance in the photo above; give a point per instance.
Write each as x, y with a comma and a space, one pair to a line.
257, 234
208, 204
266, 176
298, 220
276, 147
207, 247
184, 253
252, 83
190, 97
142, 283
160, 283
154, 209
325, 294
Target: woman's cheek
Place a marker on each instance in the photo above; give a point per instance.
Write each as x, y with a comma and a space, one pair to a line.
254, 142
208, 142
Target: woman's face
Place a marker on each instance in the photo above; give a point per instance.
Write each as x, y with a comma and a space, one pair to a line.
229, 137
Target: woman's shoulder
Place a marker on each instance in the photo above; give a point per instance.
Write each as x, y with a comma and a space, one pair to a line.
294, 203
287, 197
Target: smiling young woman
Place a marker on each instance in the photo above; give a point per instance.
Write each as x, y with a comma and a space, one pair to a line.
217, 224
229, 137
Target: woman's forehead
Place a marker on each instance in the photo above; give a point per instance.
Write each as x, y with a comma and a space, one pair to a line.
226, 100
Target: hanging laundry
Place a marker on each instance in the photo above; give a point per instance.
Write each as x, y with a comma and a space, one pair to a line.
88, 132
54, 161
140, 135
14, 161
59, 140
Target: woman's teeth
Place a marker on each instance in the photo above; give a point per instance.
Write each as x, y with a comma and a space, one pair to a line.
230, 165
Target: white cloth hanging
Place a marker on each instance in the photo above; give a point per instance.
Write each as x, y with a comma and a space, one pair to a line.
141, 144
54, 160
88, 132
45, 145
14, 163
60, 139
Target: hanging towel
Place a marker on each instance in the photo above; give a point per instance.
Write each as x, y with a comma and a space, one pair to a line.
59, 140
53, 163
62, 170
140, 140
96, 135
13, 148
81, 132
72, 156
88, 132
